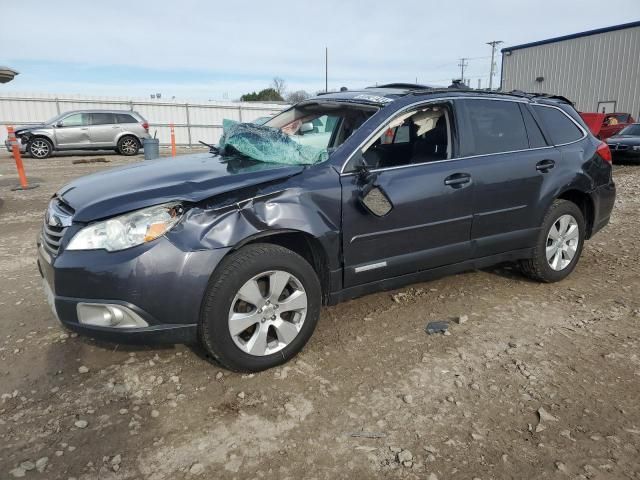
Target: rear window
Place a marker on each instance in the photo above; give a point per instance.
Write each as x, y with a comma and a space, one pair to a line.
102, 118
125, 118
558, 126
496, 126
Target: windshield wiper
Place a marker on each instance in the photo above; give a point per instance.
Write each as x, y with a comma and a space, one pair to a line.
212, 148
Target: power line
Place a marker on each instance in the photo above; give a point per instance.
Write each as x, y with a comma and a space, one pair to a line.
493, 44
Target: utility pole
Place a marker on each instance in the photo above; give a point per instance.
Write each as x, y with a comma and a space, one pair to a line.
493, 44
463, 64
326, 69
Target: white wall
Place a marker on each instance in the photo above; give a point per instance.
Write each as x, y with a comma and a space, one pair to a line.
193, 121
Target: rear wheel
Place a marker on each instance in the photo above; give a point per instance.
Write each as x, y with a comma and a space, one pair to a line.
261, 307
559, 243
128, 146
39, 147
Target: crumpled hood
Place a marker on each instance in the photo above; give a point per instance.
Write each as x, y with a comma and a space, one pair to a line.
27, 128
189, 178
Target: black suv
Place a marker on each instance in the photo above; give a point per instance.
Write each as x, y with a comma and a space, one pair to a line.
341, 195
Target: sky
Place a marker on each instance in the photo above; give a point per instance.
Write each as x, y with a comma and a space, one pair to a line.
195, 49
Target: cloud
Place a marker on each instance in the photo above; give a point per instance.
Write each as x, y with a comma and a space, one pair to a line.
369, 41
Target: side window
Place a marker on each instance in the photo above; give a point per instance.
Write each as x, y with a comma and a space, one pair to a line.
415, 137
560, 128
496, 126
398, 134
75, 120
102, 118
125, 118
536, 139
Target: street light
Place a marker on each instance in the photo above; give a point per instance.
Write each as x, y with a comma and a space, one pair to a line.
7, 74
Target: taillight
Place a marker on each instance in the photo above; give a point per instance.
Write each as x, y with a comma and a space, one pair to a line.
145, 125
604, 152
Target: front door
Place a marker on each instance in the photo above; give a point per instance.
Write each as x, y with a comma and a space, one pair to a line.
430, 196
73, 131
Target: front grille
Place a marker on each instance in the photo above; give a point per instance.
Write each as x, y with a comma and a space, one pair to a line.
56, 221
51, 237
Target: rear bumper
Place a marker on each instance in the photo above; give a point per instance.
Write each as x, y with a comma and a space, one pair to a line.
603, 198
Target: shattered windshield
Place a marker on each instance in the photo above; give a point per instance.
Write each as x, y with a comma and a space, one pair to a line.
302, 135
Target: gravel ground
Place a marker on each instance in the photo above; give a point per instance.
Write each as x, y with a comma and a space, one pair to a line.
532, 380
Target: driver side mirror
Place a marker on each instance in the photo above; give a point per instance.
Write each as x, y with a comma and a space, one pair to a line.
59, 124
375, 200
306, 127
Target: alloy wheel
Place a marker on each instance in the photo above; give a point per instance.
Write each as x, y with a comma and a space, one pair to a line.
562, 242
39, 148
267, 313
129, 146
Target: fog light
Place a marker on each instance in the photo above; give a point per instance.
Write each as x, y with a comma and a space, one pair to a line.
108, 315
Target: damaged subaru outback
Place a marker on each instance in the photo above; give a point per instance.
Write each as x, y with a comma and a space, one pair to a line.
339, 196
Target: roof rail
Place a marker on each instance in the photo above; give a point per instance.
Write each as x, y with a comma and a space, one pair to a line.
520, 93
408, 86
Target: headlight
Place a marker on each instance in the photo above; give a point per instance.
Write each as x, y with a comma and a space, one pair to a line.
128, 230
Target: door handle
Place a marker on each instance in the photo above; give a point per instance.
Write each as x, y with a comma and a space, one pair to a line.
457, 180
545, 165
85, 128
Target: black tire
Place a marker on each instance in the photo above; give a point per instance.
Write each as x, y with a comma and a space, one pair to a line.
232, 273
39, 148
538, 267
128, 146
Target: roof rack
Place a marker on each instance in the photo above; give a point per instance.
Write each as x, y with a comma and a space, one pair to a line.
520, 93
408, 86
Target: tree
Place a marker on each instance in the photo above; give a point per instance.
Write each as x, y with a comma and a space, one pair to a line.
266, 95
297, 96
279, 85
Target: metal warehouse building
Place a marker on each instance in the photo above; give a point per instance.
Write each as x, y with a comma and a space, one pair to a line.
598, 70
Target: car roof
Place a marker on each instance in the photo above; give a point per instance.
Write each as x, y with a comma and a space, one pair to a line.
383, 95
97, 110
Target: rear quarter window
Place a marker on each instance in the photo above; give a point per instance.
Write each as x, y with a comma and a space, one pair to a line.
558, 126
125, 118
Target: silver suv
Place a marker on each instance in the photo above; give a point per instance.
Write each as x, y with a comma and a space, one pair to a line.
122, 130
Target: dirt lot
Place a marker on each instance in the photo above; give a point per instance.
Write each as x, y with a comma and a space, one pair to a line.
540, 381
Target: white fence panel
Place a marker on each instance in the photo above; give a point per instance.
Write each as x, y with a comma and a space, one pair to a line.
193, 121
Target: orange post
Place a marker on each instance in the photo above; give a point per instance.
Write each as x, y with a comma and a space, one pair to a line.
24, 185
173, 141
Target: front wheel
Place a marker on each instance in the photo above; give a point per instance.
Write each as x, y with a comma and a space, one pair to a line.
39, 148
559, 243
261, 307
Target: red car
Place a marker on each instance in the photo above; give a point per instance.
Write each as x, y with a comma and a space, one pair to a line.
605, 125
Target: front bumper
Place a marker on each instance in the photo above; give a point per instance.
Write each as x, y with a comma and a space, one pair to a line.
22, 146
161, 283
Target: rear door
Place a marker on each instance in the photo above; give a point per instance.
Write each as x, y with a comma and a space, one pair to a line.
513, 167
73, 131
104, 129
429, 223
